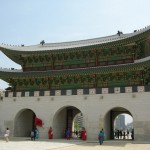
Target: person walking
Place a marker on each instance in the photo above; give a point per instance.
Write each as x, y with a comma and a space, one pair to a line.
100, 137
50, 133
103, 134
7, 133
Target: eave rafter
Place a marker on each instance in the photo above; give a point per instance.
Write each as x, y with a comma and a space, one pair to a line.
74, 72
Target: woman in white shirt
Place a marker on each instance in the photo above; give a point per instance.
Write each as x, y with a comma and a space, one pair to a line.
7, 134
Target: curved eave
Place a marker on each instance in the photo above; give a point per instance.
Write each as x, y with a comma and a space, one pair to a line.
13, 55
14, 52
102, 42
72, 72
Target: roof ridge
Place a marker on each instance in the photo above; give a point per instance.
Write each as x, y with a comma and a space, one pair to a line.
73, 44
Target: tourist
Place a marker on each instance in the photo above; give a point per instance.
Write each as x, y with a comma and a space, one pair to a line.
79, 134
50, 133
32, 135
7, 133
83, 134
36, 133
100, 137
65, 133
124, 135
120, 134
132, 134
127, 134
68, 134
117, 134
76, 133
103, 134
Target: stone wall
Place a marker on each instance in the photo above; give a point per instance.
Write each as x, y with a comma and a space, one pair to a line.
51, 109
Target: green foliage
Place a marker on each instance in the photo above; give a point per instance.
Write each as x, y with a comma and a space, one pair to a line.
76, 126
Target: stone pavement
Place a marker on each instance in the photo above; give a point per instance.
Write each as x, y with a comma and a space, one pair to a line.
62, 144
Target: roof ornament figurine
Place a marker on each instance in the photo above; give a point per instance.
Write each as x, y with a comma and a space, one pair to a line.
42, 42
119, 32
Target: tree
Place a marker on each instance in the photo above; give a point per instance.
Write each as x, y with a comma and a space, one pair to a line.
76, 126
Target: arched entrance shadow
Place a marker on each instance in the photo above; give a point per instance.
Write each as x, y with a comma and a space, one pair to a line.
110, 118
24, 123
63, 119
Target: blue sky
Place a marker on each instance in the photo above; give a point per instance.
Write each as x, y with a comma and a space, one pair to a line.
28, 22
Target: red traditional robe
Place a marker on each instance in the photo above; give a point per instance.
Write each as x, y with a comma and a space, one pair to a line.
83, 135
50, 134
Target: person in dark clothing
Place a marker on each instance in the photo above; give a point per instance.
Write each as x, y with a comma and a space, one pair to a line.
127, 134
118, 134
68, 134
132, 134
76, 133
124, 134
100, 137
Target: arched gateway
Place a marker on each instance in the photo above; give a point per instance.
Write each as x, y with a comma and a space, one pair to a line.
63, 119
96, 75
110, 118
24, 123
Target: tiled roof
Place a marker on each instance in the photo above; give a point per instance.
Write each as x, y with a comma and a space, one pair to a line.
76, 44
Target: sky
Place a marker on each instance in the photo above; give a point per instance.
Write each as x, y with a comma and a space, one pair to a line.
128, 118
28, 22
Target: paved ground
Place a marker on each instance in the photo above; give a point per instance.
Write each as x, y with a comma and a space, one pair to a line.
26, 144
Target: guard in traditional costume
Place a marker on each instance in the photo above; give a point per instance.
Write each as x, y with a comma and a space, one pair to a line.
50, 133
83, 134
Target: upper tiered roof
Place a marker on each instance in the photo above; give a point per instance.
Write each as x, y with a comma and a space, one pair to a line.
103, 41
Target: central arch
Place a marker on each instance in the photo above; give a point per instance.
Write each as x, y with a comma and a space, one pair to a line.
63, 119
